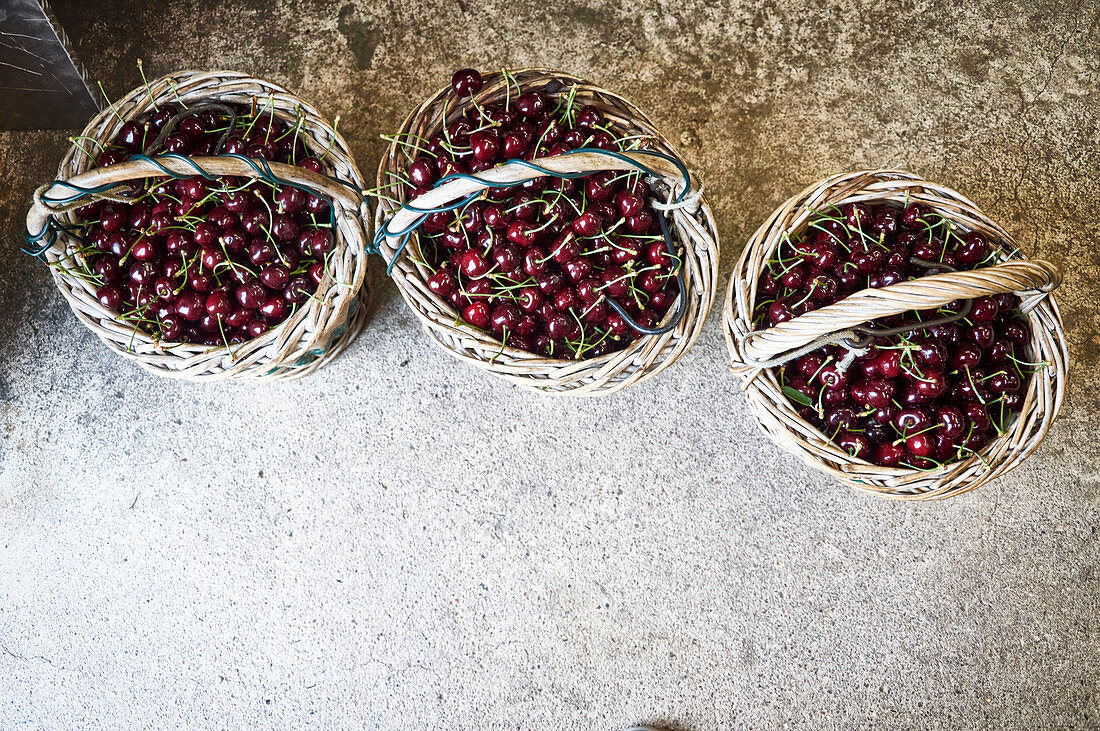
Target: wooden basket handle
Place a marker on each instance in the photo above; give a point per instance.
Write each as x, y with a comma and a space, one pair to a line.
52, 199
518, 172
930, 292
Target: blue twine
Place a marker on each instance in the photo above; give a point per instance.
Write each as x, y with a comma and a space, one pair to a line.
383, 231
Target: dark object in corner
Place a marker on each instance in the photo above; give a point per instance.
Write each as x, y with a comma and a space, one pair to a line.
41, 84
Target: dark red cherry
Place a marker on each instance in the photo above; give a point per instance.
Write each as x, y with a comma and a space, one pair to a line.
854, 444
109, 296
322, 242
466, 82
251, 295
951, 421
171, 328
274, 309
298, 289
477, 314
922, 445
889, 455
587, 224
531, 104
442, 283
504, 318
275, 276
912, 419
190, 305
472, 264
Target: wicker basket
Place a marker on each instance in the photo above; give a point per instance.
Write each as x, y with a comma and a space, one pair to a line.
318, 331
693, 225
1032, 281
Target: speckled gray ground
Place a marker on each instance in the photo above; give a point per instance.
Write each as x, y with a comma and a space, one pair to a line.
401, 542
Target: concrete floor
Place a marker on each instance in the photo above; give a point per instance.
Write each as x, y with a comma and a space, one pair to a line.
402, 542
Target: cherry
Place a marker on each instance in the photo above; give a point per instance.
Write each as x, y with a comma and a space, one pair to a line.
530, 105
951, 421
639, 223
250, 295
131, 136
283, 227
889, 455
485, 145
565, 298
321, 242
794, 277
275, 276
842, 417
779, 312
422, 173
504, 317
1003, 382
974, 249
559, 326
472, 264
981, 335
875, 394
912, 419
522, 233
821, 254
616, 281
290, 200
274, 309
190, 305
578, 269
113, 217
298, 289
913, 216
587, 224
466, 82
824, 287
549, 282
922, 445
477, 314
218, 304
856, 445
857, 216
109, 296
1015, 332
535, 261
931, 384
171, 328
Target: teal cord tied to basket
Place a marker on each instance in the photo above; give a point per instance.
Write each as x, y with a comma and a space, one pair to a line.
37, 243
383, 231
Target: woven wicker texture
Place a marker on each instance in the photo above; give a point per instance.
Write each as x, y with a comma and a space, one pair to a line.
1032, 281
319, 329
692, 224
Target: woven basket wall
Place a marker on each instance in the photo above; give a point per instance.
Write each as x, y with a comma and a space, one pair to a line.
320, 328
1031, 281
693, 226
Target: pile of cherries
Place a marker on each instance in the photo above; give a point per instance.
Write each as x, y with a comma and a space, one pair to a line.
922, 397
537, 263
207, 261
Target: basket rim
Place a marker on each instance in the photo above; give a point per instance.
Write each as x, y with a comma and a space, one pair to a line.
533, 370
294, 347
780, 421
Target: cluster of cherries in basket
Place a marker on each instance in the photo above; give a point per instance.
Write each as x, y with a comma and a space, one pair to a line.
207, 261
923, 395
537, 263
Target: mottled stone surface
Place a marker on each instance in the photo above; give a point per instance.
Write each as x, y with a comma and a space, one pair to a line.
402, 542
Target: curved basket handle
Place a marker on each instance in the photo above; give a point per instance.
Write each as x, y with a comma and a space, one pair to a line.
928, 292
63, 195
513, 173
